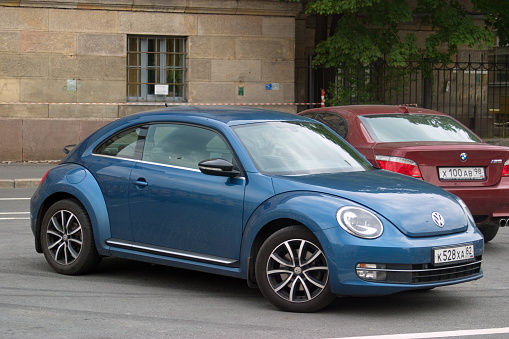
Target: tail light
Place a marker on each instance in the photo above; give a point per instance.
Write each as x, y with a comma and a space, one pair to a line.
400, 165
505, 170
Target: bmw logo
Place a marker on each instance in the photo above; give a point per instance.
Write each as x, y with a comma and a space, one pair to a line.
438, 219
463, 157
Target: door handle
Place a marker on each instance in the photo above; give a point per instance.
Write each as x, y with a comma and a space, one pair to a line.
141, 182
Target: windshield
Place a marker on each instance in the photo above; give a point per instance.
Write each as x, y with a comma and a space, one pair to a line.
416, 127
297, 148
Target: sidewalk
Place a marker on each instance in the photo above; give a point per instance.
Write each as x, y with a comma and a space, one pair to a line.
23, 175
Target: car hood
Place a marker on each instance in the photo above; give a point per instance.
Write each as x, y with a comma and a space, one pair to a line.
406, 202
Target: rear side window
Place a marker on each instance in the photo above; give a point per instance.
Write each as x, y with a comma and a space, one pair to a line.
125, 144
334, 121
310, 115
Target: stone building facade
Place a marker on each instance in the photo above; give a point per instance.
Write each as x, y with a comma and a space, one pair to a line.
68, 67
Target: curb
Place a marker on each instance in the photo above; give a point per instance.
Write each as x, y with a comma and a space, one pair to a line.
19, 183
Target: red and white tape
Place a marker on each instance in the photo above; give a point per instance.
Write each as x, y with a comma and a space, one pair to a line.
166, 103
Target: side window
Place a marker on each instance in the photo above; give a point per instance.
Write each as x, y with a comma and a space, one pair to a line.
183, 145
310, 115
334, 121
126, 144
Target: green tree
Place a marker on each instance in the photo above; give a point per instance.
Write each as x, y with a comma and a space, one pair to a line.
354, 34
496, 14
365, 31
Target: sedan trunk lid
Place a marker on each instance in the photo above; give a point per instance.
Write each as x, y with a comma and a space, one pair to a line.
451, 164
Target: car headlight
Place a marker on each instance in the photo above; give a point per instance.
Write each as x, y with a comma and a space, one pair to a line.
359, 222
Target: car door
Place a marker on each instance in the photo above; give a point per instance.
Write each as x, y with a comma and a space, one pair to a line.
175, 207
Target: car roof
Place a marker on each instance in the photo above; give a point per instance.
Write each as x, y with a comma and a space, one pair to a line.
376, 109
229, 115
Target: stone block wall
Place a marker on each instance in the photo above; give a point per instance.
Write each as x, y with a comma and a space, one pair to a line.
34, 139
75, 51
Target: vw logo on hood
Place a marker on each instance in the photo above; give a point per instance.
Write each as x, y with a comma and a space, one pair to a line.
438, 219
463, 157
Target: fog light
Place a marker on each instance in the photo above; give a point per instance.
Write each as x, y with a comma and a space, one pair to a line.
371, 272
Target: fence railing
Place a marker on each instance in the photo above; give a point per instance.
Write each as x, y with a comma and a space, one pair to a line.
476, 93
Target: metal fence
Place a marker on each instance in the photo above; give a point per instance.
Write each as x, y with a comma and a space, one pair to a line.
476, 93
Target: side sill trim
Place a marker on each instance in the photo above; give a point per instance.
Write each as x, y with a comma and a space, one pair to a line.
157, 250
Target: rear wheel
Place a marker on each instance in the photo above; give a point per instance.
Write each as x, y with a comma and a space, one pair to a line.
489, 231
292, 271
67, 239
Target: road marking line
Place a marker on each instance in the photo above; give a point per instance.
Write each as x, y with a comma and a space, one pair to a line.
458, 333
7, 199
7, 213
14, 218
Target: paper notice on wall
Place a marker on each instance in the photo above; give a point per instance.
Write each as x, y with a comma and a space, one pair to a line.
161, 89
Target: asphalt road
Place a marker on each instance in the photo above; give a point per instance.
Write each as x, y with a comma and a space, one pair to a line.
125, 299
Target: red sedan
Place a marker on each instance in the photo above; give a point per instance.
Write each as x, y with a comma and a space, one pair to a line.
430, 146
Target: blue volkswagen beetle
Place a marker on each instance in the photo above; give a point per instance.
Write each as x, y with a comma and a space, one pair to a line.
274, 198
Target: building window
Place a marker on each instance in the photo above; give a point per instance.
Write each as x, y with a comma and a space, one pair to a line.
156, 68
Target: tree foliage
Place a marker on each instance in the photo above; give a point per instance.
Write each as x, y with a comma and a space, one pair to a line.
496, 13
364, 31
368, 44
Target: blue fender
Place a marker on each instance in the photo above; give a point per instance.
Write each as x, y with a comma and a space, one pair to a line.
75, 180
296, 205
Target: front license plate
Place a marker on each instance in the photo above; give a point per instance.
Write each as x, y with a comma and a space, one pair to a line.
444, 255
461, 173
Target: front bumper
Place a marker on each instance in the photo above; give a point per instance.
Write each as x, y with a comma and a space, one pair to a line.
407, 263
419, 273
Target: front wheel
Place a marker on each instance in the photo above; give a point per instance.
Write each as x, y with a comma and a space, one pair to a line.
67, 239
292, 272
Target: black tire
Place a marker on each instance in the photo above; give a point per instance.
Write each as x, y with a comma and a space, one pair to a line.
489, 231
67, 239
295, 280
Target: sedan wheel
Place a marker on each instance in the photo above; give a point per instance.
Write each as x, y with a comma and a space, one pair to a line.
67, 239
489, 231
292, 271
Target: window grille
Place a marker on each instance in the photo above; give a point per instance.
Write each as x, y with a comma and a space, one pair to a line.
156, 68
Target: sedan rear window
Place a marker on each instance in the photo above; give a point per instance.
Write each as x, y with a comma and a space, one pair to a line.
416, 127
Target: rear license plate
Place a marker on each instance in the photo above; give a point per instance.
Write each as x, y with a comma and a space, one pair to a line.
461, 173
444, 255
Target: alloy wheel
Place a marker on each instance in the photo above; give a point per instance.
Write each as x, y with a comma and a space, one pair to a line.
297, 270
64, 237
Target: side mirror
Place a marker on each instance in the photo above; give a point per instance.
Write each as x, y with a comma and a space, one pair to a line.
219, 167
67, 149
